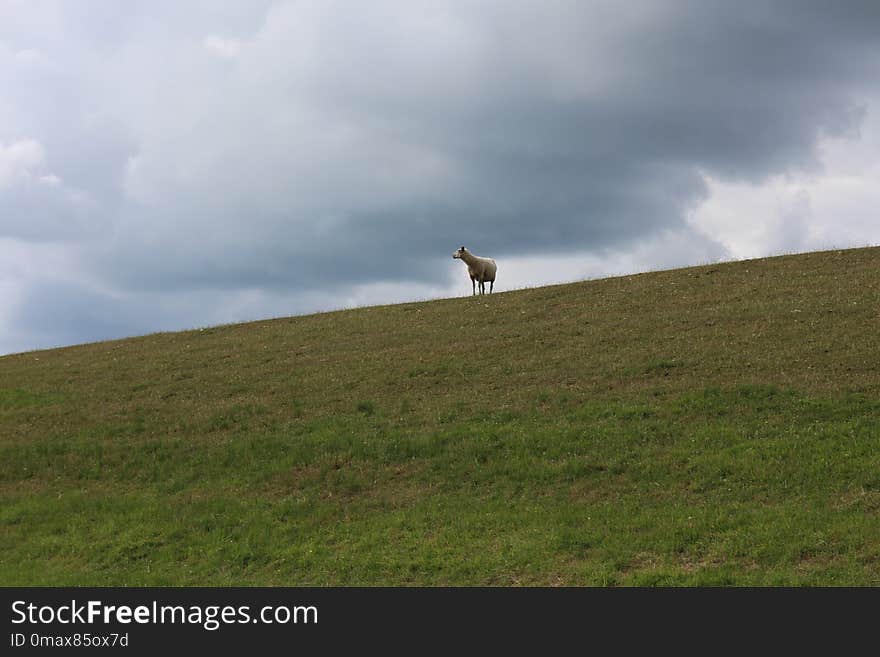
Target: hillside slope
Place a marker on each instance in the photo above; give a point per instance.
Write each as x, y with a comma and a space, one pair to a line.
710, 425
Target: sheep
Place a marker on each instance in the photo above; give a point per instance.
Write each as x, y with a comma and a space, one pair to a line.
479, 269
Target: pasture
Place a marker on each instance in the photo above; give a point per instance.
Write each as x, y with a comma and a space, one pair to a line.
716, 425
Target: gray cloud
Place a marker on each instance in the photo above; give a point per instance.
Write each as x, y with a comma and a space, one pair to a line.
58, 313
314, 146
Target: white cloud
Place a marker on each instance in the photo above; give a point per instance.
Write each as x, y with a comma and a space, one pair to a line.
50, 179
670, 249
36, 204
382, 293
32, 57
837, 206
223, 47
18, 160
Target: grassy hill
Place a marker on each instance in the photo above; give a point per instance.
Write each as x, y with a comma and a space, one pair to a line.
710, 425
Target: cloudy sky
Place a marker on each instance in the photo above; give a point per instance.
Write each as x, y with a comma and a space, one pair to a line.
168, 165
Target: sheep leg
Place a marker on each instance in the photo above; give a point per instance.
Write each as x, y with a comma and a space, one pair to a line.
491, 286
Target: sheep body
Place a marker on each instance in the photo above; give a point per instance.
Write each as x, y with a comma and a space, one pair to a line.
481, 270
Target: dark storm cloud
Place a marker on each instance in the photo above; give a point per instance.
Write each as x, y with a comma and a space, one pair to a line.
314, 145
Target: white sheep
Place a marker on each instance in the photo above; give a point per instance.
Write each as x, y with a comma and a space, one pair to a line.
479, 269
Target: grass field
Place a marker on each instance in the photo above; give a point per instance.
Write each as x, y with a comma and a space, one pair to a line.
717, 425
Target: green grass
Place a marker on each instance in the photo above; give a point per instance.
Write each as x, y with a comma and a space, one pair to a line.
716, 425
